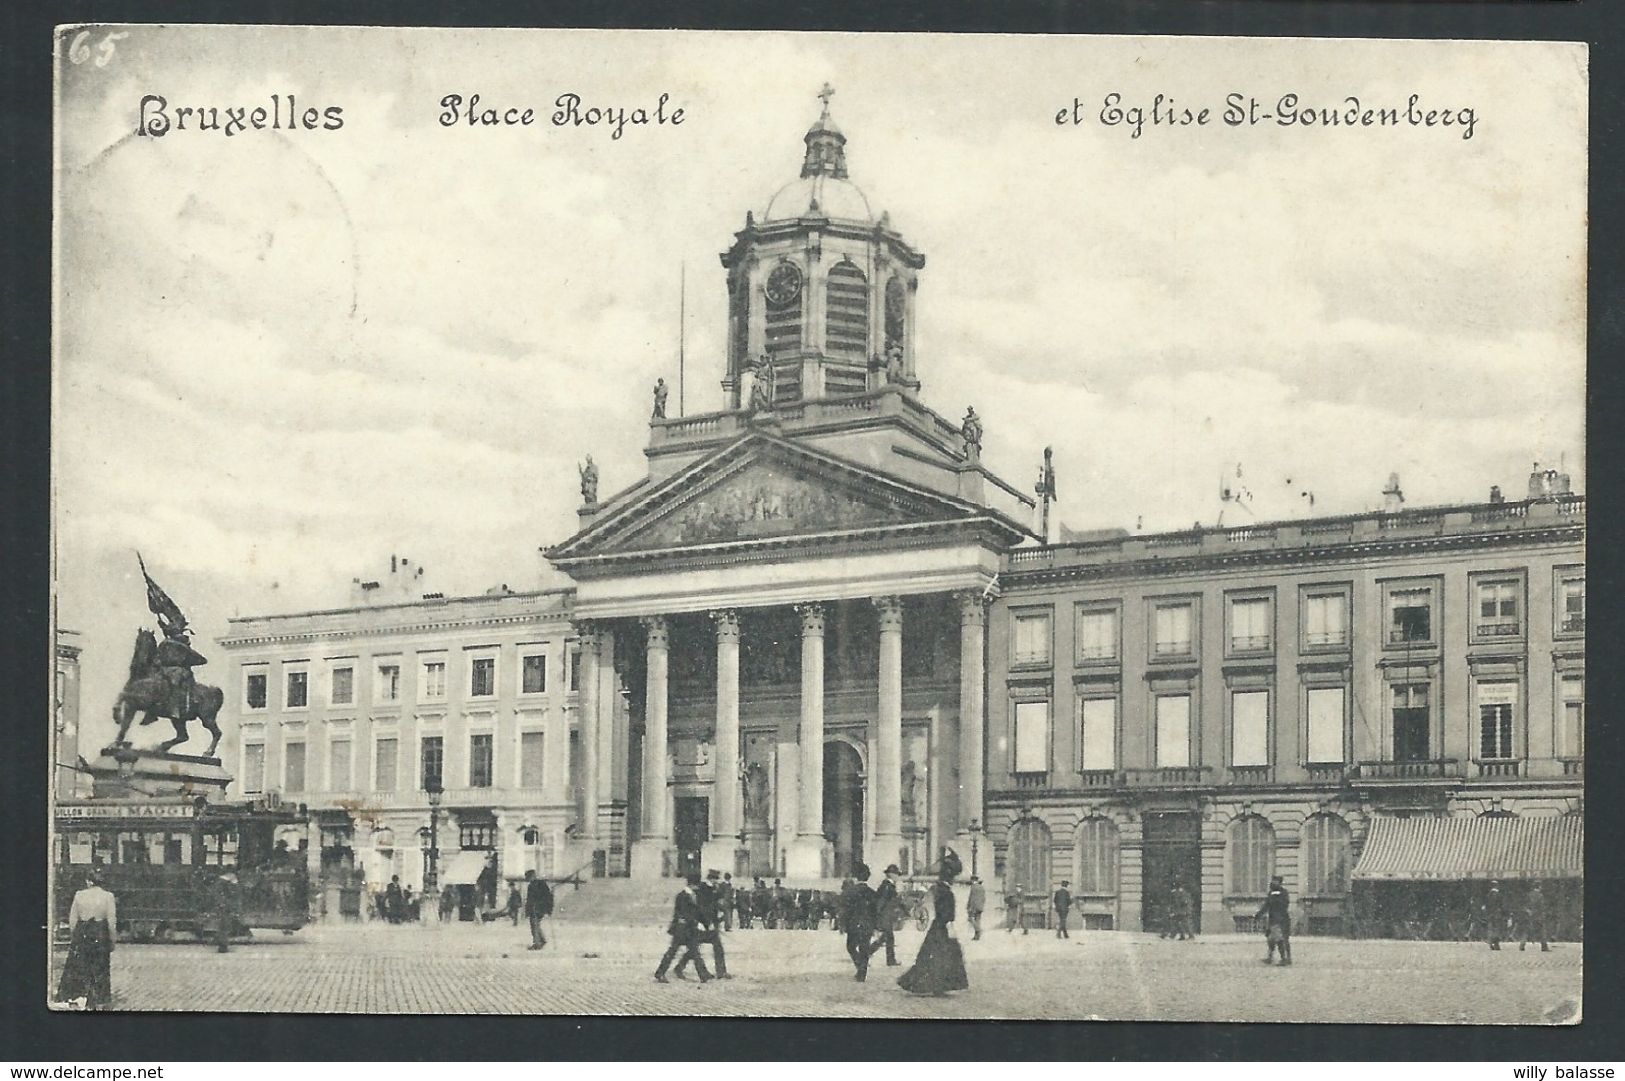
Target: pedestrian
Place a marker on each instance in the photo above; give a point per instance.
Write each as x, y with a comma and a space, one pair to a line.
225, 910
725, 901
761, 901
1276, 912
805, 918
92, 929
1061, 902
888, 909
743, 903
975, 905
409, 905
1495, 916
707, 896
1015, 910
684, 932
858, 920
394, 900
538, 907
939, 967
1534, 919
515, 902
448, 902
1182, 911
783, 905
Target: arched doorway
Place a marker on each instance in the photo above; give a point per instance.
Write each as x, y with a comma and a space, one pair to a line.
843, 804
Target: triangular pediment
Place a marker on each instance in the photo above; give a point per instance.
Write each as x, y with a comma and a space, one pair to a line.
761, 488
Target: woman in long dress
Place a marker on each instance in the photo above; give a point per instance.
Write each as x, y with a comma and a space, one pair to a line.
939, 967
92, 926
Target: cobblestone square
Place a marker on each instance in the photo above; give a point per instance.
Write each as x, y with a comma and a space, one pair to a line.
591, 969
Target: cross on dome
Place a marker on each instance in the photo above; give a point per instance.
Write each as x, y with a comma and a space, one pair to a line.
824, 95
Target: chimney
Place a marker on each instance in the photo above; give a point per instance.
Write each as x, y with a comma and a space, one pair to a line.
1495, 494
1537, 482
1393, 497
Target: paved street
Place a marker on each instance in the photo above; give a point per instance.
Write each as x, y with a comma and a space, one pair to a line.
600, 970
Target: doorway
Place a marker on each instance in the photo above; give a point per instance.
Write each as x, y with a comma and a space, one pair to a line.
691, 829
1173, 859
843, 804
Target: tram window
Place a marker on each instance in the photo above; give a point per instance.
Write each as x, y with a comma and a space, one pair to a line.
132, 849
220, 848
81, 848
175, 849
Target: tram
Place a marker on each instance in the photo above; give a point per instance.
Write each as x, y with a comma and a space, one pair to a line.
160, 857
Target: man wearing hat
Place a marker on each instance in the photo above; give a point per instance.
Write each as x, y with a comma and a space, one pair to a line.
975, 905
888, 908
225, 910
858, 919
1061, 902
1276, 913
1495, 915
684, 931
708, 897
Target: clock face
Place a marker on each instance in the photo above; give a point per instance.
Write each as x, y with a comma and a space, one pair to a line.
783, 285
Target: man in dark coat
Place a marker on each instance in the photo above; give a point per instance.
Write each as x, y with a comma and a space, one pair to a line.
394, 900
1015, 910
783, 904
516, 903
1061, 902
725, 901
1276, 912
1533, 924
684, 930
975, 905
708, 899
888, 907
761, 901
225, 903
744, 903
538, 906
858, 920
1495, 916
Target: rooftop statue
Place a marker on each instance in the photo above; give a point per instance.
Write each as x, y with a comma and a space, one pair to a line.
661, 390
761, 389
970, 430
161, 683
589, 481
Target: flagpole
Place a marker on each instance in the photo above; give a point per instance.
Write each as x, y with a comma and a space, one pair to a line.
682, 327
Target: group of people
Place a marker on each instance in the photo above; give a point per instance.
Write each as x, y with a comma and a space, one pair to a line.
869, 916
1530, 923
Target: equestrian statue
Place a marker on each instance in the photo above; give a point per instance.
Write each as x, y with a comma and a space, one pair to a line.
161, 683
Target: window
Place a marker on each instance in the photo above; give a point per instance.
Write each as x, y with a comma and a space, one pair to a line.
1249, 728
1032, 638
1027, 858
1571, 601
341, 691
338, 765
1252, 856
1496, 702
387, 751
482, 677
784, 293
477, 835
1173, 731
1496, 609
1098, 722
298, 688
1571, 704
1097, 858
1410, 616
480, 754
1032, 737
1325, 856
533, 673
293, 767
847, 308
1097, 634
530, 760
1172, 631
1411, 722
253, 767
1325, 619
1249, 624
1325, 711
432, 679
575, 670
389, 682
254, 696
434, 757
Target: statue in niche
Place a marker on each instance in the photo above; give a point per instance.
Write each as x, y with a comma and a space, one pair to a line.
894, 363
756, 792
589, 480
911, 792
661, 391
761, 387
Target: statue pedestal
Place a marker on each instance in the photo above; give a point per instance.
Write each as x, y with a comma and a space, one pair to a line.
124, 772
809, 857
651, 858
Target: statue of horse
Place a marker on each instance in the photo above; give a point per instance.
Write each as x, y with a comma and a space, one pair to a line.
148, 692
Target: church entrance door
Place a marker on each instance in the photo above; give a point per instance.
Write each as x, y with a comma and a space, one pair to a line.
843, 804
692, 825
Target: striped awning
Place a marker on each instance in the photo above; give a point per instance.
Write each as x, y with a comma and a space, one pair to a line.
1421, 849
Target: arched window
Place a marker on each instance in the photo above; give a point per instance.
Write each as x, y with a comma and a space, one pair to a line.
1325, 856
784, 295
1252, 856
846, 328
1097, 857
1028, 859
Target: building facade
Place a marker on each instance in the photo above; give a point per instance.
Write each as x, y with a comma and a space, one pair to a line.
69, 782
1208, 708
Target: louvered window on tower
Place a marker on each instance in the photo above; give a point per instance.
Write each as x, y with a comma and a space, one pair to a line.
783, 327
847, 328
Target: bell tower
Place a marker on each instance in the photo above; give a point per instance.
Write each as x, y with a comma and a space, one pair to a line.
820, 287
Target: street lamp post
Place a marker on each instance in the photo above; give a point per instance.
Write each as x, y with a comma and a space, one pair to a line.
975, 829
431, 880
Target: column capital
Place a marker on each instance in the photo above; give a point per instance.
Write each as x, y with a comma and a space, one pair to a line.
588, 630
727, 621
972, 606
891, 612
812, 618
658, 632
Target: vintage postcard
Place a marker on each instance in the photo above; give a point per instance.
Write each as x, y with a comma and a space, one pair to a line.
819, 525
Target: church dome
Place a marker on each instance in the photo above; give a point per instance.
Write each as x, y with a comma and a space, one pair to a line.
819, 195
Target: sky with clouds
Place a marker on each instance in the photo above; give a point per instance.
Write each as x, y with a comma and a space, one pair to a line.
283, 356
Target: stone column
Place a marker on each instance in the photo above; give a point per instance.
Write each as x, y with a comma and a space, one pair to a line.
556, 740
808, 854
888, 772
587, 715
649, 859
972, 719
727, 814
